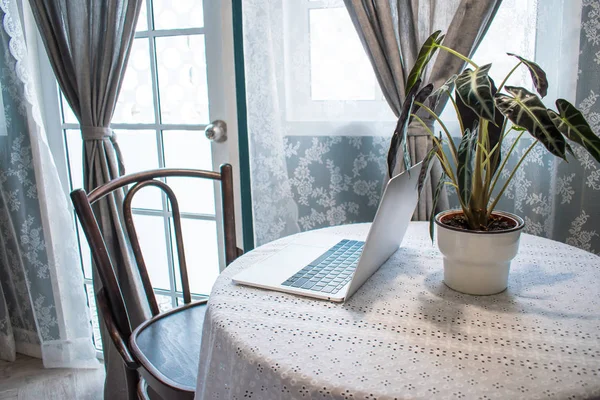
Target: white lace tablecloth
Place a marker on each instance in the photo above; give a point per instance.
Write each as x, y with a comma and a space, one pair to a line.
404, 334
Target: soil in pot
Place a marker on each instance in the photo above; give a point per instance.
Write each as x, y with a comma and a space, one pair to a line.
496, 223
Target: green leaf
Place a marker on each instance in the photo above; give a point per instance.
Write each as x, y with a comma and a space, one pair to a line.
464, 169
475, 90
436, 196
525, 109
537, 75
571, 122
427, 51
399, 138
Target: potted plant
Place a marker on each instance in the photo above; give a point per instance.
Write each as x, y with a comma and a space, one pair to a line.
477, 241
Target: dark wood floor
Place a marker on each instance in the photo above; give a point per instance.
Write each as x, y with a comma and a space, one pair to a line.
27, 379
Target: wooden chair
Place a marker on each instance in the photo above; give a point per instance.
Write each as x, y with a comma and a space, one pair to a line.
164, 350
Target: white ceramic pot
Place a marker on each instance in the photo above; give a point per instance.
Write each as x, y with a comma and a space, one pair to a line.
477, 262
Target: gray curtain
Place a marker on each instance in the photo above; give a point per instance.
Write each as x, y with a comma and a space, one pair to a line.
392, 32
88, 43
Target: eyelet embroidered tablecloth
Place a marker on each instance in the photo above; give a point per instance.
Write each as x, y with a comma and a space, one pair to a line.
404, 334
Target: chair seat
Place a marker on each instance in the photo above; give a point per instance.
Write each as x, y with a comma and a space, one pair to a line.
168, 345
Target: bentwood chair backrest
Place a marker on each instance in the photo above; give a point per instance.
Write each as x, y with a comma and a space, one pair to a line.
110, 298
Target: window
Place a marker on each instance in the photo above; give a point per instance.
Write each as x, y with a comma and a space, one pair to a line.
159, 120
328, 76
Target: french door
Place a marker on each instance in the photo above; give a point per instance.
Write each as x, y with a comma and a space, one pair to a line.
180, 78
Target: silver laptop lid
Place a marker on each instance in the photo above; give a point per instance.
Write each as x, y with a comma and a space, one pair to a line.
389, 226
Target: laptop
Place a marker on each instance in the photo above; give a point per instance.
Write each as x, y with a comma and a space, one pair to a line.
330, 267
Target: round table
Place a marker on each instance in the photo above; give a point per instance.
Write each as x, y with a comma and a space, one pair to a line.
404, 334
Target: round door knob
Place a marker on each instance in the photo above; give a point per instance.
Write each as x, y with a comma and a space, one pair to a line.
216, 131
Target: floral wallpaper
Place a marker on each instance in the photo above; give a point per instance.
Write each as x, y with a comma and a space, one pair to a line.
335, 179
338, 179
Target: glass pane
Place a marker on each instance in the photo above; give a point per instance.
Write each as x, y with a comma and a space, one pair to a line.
339, 67
182, 79
201, 254
180, 14
68, 115
190, 149
135, 103
89, 290
140, 154
86, 255
165, 303
151, 234
75, 154
142, 23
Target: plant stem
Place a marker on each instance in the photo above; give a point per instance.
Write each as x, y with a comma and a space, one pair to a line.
443, 161
498, 172
457, 54
509, 74
493, 205
462, 127
434, 115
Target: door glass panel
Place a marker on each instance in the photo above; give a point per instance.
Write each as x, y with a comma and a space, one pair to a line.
140, 154
201, 254
68, 115
75, 154
89, 290
86, 255
180, 14
151, 235
190, 149
165, 303
135, 103
181, 64
142, 23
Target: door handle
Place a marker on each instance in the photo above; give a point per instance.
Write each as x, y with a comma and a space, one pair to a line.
216, 131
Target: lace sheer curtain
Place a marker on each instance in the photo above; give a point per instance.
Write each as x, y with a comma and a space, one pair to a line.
43, 309
315, 116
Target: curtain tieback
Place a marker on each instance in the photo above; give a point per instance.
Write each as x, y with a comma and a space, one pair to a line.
96, 133
416, 129
89, 133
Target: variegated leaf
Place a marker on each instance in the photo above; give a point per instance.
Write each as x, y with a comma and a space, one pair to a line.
435, 96
399, 138
537, 75
427, 51
571, 122
475, 90
525, 109
436, 196
464, 169
427, 162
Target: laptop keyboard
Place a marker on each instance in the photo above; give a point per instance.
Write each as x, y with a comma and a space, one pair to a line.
331, 271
